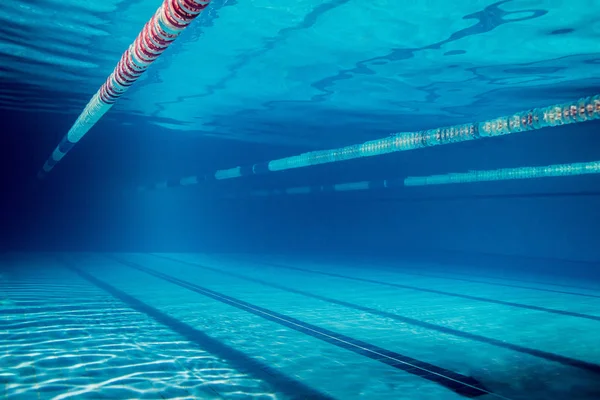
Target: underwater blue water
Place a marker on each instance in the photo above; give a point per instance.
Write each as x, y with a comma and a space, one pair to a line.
200, 326
235, 290
344, 71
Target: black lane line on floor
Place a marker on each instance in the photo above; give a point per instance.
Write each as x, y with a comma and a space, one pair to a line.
505, 285
441, 292
427, 275
521, 257
572, 362
479, 275
596, 289
412, 272
238, 360
460, 384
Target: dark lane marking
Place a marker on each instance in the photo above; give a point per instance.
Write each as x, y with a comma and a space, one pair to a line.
238, 360
596, 289
487, 276
433, 275
460, 384
441, 292
595, 368
504, 284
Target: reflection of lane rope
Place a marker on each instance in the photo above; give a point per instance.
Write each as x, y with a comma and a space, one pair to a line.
582, 110
171, 18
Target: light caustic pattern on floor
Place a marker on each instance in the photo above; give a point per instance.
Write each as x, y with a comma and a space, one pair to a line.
239, 326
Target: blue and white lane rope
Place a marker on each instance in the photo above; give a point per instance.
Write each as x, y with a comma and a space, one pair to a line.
171, 18
585, 109
503, 174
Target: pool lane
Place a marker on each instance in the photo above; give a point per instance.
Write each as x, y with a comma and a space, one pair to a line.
328, 368
456, 382
287, 385
522, 278
591, 367
532, 286
76, 341
396, 283
558, 333
507, 372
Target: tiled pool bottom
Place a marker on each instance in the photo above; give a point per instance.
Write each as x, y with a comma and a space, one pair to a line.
196, 326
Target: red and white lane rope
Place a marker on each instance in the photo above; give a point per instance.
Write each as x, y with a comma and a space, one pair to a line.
171, 18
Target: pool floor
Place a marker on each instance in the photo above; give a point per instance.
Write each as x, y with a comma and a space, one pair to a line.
222, 326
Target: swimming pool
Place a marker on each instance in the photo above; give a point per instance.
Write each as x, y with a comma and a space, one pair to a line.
310, 200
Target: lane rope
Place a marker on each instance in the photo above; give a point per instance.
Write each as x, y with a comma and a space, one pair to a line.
171, 18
